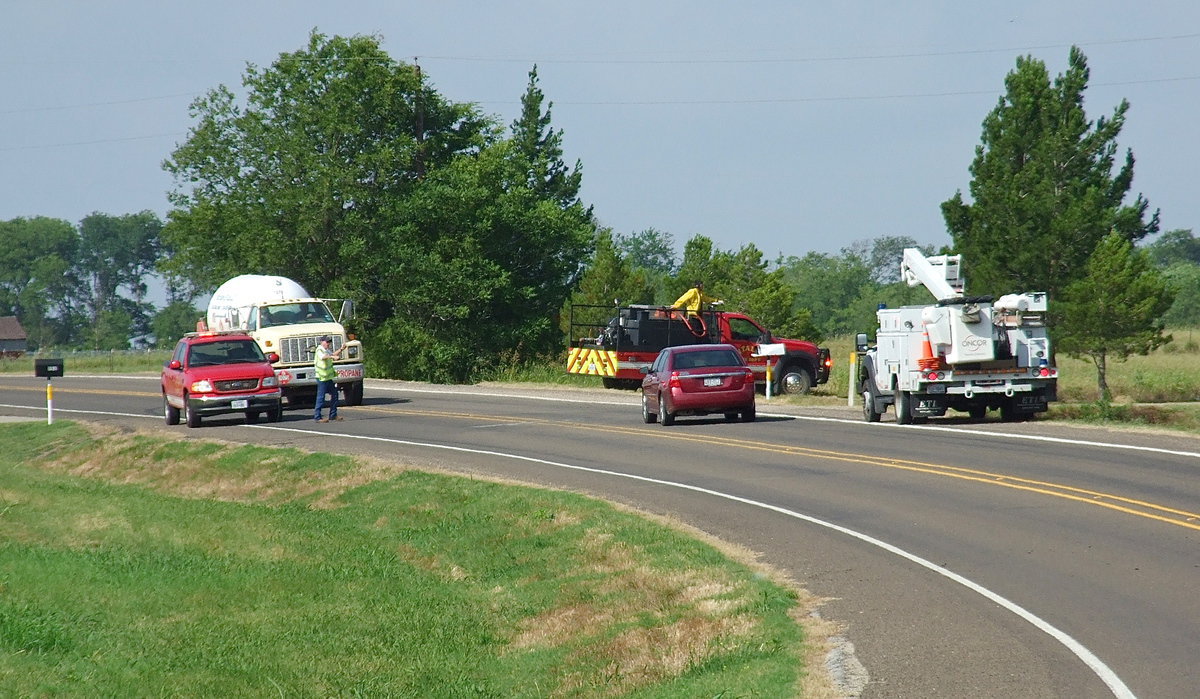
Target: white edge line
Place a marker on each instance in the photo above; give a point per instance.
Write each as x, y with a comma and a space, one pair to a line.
1102, 671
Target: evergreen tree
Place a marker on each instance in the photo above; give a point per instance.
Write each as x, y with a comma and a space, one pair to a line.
1043, 187
1115, 309
541, 146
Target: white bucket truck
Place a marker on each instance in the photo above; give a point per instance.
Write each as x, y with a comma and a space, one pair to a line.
285, 319
962, 352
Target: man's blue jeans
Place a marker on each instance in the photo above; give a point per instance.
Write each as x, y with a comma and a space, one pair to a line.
323, 388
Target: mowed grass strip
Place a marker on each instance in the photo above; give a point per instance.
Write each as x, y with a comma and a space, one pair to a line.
142, 565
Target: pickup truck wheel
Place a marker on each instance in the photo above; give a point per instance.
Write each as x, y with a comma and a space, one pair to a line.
275, 414
665, 417
251, 417
647, 416
795, 380
903, 407
870, 414
193, 417
170, 412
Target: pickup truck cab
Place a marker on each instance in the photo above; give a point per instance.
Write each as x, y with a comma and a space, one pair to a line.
215, 373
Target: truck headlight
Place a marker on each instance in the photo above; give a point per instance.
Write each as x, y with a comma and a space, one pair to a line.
202, 386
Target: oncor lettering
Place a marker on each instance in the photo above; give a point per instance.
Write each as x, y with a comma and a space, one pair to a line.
973, 343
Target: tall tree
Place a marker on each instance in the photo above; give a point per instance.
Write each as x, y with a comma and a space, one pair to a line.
117, 253
1043, 186
302, 181
1174, 247
650, 249
349, 174
541, 145
38, 280
1115, 309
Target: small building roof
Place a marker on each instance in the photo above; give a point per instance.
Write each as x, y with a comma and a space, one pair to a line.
10, 329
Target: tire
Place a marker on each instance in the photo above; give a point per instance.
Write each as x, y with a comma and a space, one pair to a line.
251, 417
170, 412
977, 412
870, 414
275, 414
193, 417
795, 380
609, 382
665, 418
354, 393
647, 416
749, 414
903, 407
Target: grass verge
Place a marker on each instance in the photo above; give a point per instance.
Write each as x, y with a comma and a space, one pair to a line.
140, 565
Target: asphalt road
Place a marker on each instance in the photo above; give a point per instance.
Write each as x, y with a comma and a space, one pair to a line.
992, 560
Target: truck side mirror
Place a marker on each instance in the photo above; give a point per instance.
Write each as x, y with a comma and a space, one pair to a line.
347, 311
860, 342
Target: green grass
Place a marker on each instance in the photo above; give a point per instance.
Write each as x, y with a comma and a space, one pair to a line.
136, 565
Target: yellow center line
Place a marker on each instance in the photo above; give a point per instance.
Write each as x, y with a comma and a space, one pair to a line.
1119, 503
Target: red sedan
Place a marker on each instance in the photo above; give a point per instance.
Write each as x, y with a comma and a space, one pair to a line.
698, 380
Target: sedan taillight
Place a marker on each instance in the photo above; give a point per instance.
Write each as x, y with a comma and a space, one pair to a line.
674, 381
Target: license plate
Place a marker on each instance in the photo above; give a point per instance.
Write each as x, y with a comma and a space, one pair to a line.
712, 382
240, 404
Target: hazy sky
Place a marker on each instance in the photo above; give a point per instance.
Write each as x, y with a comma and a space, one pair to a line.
795, 126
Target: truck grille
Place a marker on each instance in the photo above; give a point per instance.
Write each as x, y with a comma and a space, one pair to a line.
236, 385
299, 349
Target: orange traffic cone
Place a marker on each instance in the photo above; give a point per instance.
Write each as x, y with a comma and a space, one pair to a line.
927, 360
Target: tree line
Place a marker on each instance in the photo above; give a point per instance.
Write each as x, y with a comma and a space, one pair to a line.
465, 241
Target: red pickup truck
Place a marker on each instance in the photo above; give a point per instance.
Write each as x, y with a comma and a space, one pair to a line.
615, 343
215, 373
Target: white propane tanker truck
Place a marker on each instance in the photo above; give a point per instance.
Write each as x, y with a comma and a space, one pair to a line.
962, 352
285, 319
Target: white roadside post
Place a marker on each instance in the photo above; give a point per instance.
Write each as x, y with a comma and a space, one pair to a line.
850, 381
49, 368
775, 349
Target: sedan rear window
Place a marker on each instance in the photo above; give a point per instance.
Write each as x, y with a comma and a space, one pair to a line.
707, 358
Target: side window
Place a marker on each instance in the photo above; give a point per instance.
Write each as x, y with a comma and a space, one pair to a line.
742, 329
180, 351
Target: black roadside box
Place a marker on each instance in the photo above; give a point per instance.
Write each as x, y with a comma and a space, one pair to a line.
48, 367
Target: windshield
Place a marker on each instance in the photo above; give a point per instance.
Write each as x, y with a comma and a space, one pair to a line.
225, 352
293, 314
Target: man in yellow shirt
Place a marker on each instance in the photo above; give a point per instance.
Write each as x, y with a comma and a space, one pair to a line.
692, 300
